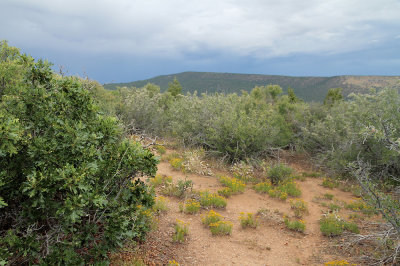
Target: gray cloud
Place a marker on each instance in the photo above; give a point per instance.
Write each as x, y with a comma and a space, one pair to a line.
173, 28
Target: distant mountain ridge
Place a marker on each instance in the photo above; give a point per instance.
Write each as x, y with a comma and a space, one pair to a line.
307, 88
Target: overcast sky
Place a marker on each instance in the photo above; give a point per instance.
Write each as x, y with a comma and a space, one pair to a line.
126, 40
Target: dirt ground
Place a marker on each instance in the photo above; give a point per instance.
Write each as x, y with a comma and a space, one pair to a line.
271, 243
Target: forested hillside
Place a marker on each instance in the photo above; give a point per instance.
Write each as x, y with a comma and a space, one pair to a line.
307, 88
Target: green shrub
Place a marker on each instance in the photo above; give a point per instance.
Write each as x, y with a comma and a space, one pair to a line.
161, 180
333, 225
208, 199
68, 186
282, 191
191, 206
264, 187
225, 192
361, 206
243, 172
211, 217
161, 204
234, 184
248, 220
160, 149
221, 228
328, 196
181, 230
299, 207
279, 173
177, 164
330, 183
296, 225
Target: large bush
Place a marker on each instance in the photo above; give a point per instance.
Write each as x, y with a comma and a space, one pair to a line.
347, 132
68, 192
231, 126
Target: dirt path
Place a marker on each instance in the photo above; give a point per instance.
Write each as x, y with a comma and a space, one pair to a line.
271, 243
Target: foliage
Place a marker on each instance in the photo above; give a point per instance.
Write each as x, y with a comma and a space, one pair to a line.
174, 88
221, 228
332, 225
235, 185
211, 217
330, 183
296, 225
243, 171
181, 189
193, 162
181, 230
263, 187
191, 206
334, 95
225, 192
357, 130
230, 126
67, 180
279, 173
361, 206
177, 164
299, 207
328, 196
213, 200
161, 204
248, 220
161, 180
282, 191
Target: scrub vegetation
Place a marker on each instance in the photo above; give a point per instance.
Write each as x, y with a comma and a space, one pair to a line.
75, 185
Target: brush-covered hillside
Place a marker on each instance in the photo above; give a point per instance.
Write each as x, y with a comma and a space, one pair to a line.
307, 88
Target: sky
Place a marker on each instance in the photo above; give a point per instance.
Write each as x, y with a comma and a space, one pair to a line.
128, 40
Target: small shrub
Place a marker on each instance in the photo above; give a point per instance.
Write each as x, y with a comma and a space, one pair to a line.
290, 187
248, 220
160, 149
161, 204
264, 187
279, 173
243, 171
334, 207
225, 192
193, 163
191, 206
161, 180
208, 199
180, 190
235, 185
276, 193
299, 207
300, 178
328, 196
311, 174
360, 206
296, 225
282, 191
333, 225
211, 217
221, 228
177, 163
330, 183
170, 156
181, 230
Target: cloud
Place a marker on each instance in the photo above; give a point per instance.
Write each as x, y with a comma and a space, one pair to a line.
176, 28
